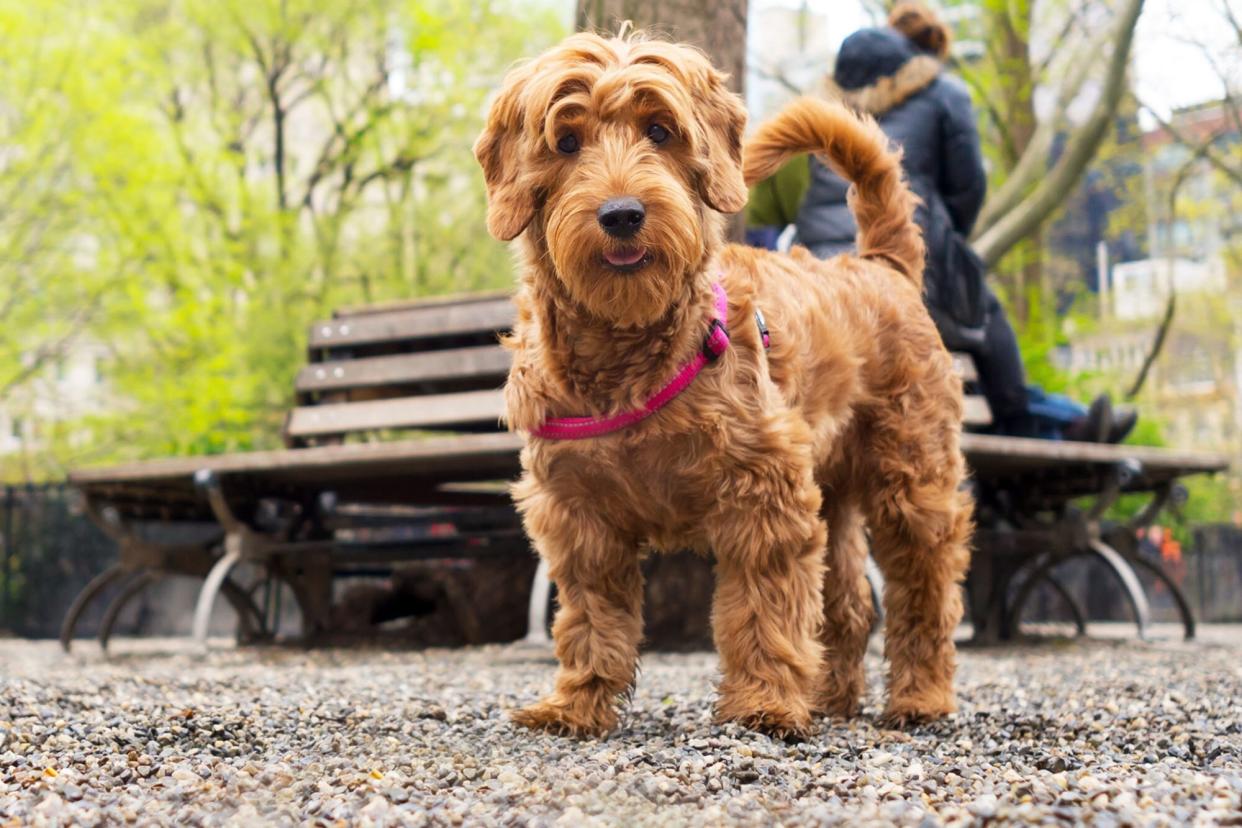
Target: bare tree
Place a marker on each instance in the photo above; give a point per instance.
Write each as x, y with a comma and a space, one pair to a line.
1033, 191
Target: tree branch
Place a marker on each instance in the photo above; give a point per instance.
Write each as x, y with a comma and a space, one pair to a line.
1157, 345
1033, 163
1073, 21
1170, 308
1202, 149
998, 120
348, 136
774, 75
55, 348
1031, 212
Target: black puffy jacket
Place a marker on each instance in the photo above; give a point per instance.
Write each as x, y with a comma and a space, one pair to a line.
928, 114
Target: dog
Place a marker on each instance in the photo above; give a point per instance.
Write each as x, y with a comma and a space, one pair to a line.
656, 418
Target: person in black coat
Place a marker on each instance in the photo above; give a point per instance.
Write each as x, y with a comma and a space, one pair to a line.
897, 75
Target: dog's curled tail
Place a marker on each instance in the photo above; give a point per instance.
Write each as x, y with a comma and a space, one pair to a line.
858, 150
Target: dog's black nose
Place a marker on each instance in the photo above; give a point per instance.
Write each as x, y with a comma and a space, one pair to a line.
621, 217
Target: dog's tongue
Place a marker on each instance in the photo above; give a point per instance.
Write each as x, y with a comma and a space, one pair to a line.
624, 257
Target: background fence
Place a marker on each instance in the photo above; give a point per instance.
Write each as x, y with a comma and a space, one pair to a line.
1213, 573
49, 549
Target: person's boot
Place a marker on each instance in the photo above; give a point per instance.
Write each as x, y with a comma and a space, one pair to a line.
1095, 426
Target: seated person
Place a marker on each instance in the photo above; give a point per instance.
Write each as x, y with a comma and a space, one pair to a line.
896, 74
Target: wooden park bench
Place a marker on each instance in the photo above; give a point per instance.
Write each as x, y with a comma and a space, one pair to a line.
345, 497
396, 431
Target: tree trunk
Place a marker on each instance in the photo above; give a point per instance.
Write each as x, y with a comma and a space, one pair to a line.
718, 27
1008, 27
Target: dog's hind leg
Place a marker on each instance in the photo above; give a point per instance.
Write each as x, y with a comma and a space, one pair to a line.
848, 613
598, 625
919, 539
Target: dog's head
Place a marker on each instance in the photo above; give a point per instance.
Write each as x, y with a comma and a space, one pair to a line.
617, 154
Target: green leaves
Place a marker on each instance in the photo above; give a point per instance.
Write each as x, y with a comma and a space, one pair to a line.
190, 184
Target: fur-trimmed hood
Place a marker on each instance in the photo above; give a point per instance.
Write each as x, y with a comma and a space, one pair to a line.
878, 69
888, 90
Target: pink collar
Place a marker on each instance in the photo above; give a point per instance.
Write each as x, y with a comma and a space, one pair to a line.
580, 428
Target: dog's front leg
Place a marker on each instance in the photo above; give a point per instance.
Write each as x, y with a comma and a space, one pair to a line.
768, 607
599, 623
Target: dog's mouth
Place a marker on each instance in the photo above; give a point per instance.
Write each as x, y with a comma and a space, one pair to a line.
627, 258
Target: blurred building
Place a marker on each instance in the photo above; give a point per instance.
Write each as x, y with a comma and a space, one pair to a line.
1193, 253
62, 389
1139, 290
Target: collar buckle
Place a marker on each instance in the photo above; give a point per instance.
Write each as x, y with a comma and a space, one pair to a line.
764, 336
716, 342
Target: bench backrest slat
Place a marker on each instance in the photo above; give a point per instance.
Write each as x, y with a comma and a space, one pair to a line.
422, 303
414, 324
482, 366
471, 410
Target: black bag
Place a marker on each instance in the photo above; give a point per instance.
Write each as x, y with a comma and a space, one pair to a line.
956, 294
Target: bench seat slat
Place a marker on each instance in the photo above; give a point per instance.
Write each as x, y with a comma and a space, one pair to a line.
975, 411
434, 411
496, 456
415, 456
414, 324
488, 363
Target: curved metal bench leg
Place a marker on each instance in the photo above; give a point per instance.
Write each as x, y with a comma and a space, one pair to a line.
272, 609
88, 594
207, 595
1129, 582
460, 605
1080, 618
1041, 572
131, 589
269, 587
1042, 568
875, 578
312, 628
1183, 606
537, 614
251, 624
1116, 562
267, 623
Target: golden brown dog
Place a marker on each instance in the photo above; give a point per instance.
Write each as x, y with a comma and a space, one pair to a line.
614, 159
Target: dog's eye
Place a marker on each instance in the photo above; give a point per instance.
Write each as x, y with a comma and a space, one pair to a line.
658, 134
568, 144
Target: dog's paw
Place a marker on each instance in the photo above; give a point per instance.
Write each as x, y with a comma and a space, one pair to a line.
787, 724
903, 717
554, 716
839, 699
838, 708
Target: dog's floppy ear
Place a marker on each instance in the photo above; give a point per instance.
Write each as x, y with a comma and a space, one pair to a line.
723, 118
510, 202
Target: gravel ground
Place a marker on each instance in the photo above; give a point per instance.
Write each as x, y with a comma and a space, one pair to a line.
1108, 732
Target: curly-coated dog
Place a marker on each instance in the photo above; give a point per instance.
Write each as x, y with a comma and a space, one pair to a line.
658, 420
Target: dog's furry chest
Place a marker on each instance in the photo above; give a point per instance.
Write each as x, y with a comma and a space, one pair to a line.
656, 488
